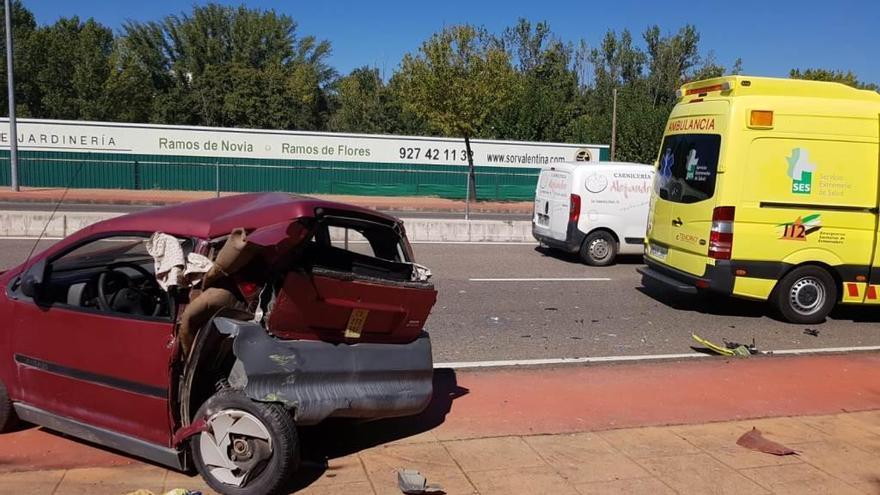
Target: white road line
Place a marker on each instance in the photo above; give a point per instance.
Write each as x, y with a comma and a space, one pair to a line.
646, 357
582, 279
480, 243
458, 243
828, 350
29, 238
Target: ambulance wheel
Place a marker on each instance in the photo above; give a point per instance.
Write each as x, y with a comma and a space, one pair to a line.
805, 295
599, 249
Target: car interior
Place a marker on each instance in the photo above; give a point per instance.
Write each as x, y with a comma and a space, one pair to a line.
112, 274
359, 248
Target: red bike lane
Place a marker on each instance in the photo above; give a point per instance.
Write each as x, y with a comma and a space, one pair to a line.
533, 401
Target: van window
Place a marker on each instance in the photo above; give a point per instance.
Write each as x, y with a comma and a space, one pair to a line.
688, 167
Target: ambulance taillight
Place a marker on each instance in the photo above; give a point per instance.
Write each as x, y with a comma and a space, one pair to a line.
721, 236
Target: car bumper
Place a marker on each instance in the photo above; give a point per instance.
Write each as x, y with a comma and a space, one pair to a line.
317, 380
573, 238
717, 278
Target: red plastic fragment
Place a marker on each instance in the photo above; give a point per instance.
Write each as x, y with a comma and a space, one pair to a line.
755, 441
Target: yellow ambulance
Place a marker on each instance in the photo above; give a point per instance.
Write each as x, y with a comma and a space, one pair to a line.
767, 189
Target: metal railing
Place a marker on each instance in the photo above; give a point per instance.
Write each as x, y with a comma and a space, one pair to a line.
223, 175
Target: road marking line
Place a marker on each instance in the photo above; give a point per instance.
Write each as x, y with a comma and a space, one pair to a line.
480, 243
29, 238
582, 279
645, 357
462, 243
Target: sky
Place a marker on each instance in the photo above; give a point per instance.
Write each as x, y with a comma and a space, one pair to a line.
771, 36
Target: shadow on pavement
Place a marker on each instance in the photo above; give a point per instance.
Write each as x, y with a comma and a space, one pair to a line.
575, 259
704, 303
720, 305
331, 439
340, 437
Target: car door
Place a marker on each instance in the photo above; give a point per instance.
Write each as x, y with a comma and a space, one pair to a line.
103, 368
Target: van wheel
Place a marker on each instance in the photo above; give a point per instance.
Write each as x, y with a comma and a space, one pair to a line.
8, 419
249, 447
805, 295
599, 249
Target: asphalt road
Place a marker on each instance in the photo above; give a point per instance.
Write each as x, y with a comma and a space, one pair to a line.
533, 319
38, 206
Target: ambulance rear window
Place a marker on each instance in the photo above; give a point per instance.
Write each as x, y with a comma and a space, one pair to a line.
688, 167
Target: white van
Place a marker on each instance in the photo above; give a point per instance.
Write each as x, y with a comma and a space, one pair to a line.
597, 209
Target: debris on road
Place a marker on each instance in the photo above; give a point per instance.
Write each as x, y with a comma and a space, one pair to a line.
811, 331
411, 482
754, 440
728, 349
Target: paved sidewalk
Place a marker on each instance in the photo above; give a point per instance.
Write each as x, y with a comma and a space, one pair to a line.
665, 427
155, 197
838, 454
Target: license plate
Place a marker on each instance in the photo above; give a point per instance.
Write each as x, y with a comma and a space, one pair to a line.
658, 252
356, 323
543, 219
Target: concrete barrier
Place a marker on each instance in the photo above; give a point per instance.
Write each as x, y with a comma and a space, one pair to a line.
15, 223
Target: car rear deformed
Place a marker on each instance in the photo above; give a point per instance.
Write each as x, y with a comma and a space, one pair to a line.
202, 334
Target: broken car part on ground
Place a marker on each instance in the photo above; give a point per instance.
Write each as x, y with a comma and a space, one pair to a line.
203, 334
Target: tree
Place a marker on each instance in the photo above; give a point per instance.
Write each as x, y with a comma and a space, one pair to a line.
847, 77
74, 64
362, 101
546, 86
457, 81
196, 61
26, 95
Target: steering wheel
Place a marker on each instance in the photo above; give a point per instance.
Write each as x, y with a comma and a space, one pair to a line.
130, 296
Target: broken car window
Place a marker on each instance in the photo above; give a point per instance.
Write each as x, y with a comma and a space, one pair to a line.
112, 274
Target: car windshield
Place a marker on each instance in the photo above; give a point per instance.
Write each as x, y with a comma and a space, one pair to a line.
688, 167
102, 252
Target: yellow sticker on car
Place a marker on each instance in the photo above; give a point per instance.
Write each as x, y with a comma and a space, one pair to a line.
356, 323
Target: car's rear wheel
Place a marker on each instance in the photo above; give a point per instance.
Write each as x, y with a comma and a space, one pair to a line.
599, 248
249, 447
806, 295
8, 419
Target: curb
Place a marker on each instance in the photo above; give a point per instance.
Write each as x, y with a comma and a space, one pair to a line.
63, 223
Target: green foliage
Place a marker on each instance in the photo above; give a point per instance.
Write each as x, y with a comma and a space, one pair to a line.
457, 81
230, 66
847, 77
219, 65
363, 103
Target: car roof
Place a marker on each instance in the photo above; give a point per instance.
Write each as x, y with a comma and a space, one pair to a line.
211, 218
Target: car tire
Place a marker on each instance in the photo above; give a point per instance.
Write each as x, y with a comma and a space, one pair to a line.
599, 248
242, 464
806, 295
8, 419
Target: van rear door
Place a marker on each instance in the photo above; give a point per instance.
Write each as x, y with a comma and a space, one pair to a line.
685, 186
552, 202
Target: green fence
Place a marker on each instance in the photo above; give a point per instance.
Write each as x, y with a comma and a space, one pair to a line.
164, 172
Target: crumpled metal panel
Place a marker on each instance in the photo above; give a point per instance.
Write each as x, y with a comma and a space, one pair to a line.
318, 380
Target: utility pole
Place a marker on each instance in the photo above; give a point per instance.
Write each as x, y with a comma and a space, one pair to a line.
13, 132
471, 191
613, 123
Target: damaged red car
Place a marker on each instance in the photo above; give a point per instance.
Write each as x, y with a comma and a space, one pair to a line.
203, 334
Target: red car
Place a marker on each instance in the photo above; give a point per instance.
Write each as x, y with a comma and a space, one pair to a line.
203, 334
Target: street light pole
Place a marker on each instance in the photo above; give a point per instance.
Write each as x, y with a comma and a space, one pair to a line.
13, 132
613, 123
